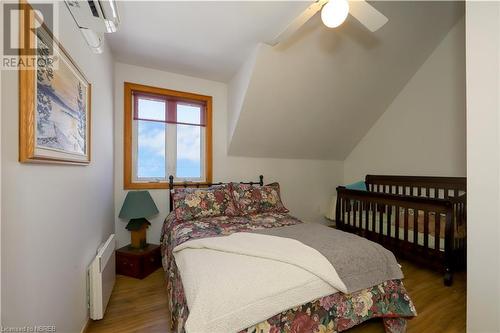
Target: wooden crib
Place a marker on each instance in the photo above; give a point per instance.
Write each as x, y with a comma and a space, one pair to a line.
421, 219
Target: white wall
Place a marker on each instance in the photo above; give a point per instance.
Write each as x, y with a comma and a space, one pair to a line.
306, 184
483, 166
237, 91
1, 24
54, 216
423, 130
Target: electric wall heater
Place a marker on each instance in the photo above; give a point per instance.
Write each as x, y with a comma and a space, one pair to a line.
101, 278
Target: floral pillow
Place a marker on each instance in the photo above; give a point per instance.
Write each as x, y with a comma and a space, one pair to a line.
192, 203
262, 199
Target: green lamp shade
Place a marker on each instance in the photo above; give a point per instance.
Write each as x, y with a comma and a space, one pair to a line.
138, 204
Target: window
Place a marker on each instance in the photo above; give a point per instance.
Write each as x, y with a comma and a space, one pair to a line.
167, 133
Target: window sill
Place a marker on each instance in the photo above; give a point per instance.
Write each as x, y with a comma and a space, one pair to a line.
146, 186
162, 185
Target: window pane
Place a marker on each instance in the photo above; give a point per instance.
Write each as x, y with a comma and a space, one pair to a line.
188, 151
150, 149
150, 109
190, 114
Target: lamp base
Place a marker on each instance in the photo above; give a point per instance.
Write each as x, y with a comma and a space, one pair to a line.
138, 238
137, 228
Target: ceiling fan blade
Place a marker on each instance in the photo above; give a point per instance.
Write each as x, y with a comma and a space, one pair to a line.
367, 15
298, 22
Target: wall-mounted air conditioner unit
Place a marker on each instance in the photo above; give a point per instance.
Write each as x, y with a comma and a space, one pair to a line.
94, 18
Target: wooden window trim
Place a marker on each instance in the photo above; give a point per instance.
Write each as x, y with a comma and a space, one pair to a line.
129, 88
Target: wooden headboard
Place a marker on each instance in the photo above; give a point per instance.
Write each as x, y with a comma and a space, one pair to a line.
171, 186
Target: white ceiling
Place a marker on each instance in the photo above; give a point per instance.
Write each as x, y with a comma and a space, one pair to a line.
203, 39
316, 96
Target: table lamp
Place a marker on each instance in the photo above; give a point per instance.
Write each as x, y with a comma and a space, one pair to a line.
137, 206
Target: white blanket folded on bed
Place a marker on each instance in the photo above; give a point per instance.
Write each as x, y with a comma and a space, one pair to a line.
237, 281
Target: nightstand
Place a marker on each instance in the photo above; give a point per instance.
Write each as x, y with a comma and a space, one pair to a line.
138, 263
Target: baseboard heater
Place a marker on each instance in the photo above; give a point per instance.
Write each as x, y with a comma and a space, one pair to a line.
101, 278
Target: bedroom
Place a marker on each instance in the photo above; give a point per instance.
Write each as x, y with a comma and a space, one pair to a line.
323, 108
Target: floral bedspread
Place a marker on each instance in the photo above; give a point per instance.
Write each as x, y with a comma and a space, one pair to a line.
333, 313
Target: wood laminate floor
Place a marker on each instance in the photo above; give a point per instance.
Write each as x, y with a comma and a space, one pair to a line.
141, 305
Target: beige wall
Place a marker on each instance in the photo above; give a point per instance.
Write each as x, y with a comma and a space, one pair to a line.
306, 184
1, 322
483, 166
423, 130
317, 94
53, 216
237, 91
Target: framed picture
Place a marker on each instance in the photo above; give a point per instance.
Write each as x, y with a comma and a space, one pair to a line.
55, 99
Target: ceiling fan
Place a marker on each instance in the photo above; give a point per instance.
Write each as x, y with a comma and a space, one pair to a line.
333, 14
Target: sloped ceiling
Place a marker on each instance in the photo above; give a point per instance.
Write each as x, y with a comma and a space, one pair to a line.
205, 39
317, 95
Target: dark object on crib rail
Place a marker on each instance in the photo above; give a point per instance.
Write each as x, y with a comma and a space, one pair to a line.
393, 207
171, 186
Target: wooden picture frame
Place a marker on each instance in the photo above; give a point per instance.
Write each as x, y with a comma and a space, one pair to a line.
54, 99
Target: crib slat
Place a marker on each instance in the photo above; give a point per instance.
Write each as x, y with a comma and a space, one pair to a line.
367, 207
373, 224
415, 227
437, 233
338, 214
346, 203
355, 214
360, 214
389, 220
426, 229
343, 211
349, 212
406, 224
396, 232
381, 224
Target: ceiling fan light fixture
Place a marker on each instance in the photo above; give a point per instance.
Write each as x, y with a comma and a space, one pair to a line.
334, 13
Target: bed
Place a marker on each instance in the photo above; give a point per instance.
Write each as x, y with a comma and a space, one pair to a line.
330, 313
421, 219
